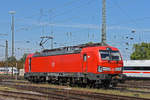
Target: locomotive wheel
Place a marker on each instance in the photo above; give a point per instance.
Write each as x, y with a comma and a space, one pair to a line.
49, 81
84, 85
107, 84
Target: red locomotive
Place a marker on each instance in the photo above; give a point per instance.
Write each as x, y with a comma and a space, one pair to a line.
92, 64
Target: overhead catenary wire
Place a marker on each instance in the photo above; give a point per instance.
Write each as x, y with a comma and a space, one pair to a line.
124, 12
71, 9
134, 25
89, 1
42, 13
37, 14
60, 14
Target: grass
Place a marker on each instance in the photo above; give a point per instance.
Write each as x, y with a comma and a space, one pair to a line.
7, 88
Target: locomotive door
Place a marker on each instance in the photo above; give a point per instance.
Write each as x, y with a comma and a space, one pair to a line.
84, 63
29, 64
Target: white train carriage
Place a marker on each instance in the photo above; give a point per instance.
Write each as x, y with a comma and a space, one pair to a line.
8, 70
137, 69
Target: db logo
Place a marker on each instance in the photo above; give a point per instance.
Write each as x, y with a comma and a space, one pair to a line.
113, 69
53, 64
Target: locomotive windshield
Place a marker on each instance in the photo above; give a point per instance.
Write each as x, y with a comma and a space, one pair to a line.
110, 55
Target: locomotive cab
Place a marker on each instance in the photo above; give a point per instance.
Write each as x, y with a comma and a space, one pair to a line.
110, 61
103, 64
111, 64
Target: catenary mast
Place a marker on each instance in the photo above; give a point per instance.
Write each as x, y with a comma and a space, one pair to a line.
103, 23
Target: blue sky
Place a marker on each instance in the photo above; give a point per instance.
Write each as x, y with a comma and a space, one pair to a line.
73, 22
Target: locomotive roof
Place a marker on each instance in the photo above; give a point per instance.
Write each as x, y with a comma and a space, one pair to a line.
66, 50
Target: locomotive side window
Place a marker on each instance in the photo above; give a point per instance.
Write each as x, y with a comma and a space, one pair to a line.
85, 57
29, 64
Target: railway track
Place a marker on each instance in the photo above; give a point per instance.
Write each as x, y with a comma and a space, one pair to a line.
7, 77
120, 87
12, 95
67, 93
135, 84
143, 84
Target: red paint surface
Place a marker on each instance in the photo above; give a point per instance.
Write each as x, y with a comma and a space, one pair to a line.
73, 62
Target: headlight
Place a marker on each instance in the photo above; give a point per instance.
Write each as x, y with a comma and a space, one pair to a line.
100, 69
118, 69
106, 69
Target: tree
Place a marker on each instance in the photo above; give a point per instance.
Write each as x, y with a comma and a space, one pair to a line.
90, 42
23, 58
11, 59
21, 61
2, 63
141, 51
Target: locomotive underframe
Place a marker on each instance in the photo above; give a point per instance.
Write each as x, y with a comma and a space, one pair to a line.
76, 78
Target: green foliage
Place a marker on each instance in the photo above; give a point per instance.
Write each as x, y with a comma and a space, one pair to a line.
23, 58
11, 59
90, 42
141, 51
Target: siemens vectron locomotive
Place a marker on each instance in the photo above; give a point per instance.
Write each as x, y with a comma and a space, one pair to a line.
82, 65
